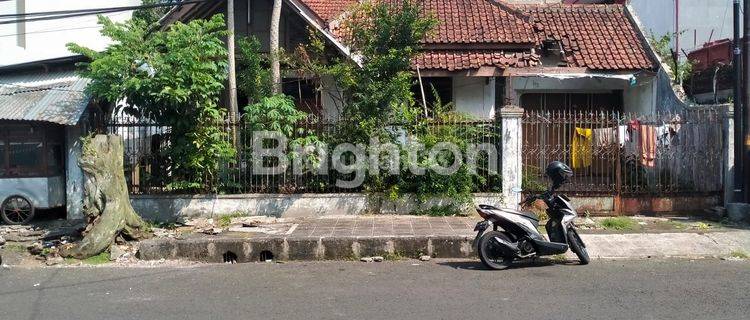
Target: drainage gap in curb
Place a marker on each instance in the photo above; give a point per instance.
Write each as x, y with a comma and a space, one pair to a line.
230, 257
266, 256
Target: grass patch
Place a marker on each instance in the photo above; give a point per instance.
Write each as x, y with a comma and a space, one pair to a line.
225, 221
619, 223
396, 256
439, 211
98, 259
739, 254
14, 247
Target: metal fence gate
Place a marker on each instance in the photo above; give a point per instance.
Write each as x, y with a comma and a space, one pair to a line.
617, 153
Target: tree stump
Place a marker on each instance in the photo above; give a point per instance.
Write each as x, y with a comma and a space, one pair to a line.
106, 202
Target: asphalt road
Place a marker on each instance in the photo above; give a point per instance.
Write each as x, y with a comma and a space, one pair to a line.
667, 289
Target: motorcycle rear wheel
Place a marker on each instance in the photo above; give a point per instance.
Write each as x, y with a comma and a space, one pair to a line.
577, 246
491, 256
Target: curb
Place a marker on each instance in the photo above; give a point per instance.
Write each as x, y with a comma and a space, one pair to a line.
243, 250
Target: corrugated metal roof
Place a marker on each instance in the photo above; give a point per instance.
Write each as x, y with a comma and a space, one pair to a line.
56, 97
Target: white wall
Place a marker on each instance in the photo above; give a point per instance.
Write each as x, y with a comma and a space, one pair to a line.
332, 98
697, 19
475, 96
47, 39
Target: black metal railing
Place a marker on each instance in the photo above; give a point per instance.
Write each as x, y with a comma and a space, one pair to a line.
147, 167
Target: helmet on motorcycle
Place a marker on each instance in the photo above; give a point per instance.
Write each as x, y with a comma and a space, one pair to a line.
558, 172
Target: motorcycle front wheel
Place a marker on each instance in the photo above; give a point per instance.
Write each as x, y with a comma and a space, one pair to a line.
490, 253
577, 246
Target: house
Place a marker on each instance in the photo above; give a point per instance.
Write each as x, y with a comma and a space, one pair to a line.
486, 53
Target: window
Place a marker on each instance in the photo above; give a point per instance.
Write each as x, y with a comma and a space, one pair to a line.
31, 150
25, 158
572, 101
435, 88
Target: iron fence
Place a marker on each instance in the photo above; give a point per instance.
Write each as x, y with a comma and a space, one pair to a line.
147, 166
626, 153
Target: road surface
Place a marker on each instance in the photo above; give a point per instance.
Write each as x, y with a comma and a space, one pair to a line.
663, 289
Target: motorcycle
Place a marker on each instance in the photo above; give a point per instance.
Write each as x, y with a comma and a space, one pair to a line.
507, 235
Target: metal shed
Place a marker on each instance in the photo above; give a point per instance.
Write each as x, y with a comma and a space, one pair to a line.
42, 116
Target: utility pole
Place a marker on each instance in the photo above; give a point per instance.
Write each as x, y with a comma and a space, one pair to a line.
233, 109
738, 178
745, 129
676, 36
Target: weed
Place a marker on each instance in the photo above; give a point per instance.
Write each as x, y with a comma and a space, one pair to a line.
702, 226
619, 223
225, 221
739, 254
559, 258
396, 256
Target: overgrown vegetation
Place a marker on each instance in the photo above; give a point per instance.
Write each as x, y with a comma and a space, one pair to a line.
377, 93
681, 69
174, 76
253, 70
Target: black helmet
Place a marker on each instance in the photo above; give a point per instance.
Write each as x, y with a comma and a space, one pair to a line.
558, 172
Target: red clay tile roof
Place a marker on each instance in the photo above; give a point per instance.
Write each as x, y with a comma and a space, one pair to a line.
456, 60
329, 9
476, 21
597, 37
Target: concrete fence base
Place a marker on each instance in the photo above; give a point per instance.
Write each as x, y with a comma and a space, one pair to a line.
175, 207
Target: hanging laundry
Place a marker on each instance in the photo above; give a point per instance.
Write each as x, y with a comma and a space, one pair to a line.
674, 129
623, 135
581, 153
663, 135
605, 137
648, 145
634, 125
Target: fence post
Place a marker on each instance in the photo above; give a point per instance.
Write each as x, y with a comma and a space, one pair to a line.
728, 153
511, 154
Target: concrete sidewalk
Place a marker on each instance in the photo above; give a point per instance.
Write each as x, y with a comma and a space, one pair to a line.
346, 238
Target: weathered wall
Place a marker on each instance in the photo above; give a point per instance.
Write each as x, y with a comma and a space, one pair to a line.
475, 96
171, 208
174, 208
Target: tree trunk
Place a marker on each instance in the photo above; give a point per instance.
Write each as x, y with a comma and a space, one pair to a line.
106, 201
275, 65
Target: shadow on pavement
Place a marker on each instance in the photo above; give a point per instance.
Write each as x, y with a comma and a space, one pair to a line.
534, 263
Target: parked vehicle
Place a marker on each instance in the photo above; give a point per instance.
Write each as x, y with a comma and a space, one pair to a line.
507, 235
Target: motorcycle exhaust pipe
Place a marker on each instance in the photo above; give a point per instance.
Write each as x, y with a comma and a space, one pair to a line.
507, 248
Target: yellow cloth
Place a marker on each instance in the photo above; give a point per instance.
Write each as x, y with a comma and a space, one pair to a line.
581, 153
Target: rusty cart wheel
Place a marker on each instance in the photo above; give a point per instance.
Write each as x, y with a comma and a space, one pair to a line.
16, 210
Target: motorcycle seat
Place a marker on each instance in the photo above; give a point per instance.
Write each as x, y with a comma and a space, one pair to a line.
527, 214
